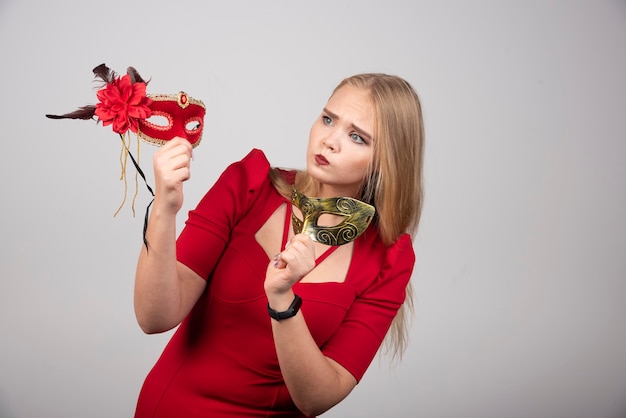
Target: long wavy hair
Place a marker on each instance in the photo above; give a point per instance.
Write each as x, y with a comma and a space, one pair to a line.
393, 180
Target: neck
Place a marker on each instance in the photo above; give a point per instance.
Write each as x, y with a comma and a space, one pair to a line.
326, 190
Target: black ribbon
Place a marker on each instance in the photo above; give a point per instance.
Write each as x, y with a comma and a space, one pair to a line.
145, 222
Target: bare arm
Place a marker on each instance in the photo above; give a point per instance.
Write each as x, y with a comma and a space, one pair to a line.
316, 383
165, 290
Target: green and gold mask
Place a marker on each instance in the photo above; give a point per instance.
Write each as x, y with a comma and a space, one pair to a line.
358, 215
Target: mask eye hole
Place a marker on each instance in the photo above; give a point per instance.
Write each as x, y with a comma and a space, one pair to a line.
330, 220
192, 125
159, 121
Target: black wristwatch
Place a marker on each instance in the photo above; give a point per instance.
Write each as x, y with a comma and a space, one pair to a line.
290, 312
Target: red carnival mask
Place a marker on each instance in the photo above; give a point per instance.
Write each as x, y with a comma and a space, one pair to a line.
156, 118
173, 115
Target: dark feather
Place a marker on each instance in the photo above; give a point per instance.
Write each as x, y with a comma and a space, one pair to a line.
104, 73
134, 76
84, 113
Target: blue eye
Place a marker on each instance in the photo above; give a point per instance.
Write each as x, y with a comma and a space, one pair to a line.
326, 120
357, 138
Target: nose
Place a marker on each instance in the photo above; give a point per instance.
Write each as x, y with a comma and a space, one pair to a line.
331, 141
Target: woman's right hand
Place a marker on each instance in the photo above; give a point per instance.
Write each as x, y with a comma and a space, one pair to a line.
172, 166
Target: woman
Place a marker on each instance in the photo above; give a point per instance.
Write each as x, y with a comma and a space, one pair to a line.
244, 347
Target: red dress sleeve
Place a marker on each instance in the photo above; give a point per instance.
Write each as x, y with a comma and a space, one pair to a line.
207, 229
359, 337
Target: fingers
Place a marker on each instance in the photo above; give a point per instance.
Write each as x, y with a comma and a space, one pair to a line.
298, 255
172, 167
173, 161
176, 147
291, 265
177, 142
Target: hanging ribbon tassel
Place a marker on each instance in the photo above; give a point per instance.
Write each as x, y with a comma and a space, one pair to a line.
123, 161
136, 176
143, 176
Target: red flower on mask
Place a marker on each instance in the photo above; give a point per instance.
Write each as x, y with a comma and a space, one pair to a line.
122, 103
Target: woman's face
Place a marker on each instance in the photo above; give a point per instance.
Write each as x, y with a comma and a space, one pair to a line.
340, 143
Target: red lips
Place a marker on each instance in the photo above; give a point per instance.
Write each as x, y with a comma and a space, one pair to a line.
321, 160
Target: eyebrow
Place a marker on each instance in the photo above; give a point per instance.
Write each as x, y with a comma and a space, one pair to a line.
361, 132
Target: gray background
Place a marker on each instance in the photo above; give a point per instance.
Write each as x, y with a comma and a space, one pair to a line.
521, 255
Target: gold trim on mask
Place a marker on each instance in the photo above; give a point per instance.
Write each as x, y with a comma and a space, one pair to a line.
182, 98
358, 215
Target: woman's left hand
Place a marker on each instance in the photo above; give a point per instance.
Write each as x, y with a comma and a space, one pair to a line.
290, 266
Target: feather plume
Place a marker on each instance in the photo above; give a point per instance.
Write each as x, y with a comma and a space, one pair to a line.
134, 76
84, 113
104, 73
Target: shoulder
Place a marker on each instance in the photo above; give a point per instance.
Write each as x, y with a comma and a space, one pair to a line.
256, 164
250, 172
372, 243
399, 259
399, 263
395, 262
254, 161
372, 256
401, 248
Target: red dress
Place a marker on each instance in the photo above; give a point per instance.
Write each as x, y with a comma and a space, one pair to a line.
221, 361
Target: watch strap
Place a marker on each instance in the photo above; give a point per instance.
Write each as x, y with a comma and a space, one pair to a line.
290, 312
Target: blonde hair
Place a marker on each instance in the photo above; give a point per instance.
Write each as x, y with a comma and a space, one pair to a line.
393, 182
